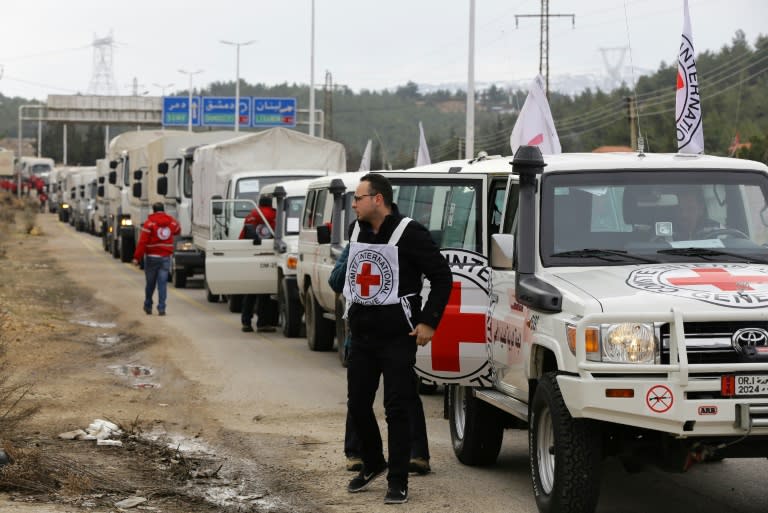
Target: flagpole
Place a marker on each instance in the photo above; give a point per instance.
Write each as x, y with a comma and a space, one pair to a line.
469, 149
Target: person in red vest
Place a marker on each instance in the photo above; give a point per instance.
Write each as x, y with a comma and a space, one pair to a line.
156, 248
266, 307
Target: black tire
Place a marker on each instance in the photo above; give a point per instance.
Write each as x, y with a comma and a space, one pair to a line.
290, 311
210, 296
476, 427
565, 453
126, 250
235, 303
341, 331
115, 249
319, 329
179, 278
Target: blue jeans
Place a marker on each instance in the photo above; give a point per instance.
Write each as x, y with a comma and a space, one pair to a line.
156, 271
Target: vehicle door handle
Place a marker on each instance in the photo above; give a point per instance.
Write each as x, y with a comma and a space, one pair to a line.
218, 253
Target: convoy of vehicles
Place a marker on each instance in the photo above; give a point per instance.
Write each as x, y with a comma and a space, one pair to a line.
586, 308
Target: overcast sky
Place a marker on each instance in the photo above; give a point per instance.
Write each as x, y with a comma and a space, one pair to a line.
46, 46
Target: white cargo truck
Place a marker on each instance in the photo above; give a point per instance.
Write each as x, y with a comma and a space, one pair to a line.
628, 318
120, 233
6, 164
234, 171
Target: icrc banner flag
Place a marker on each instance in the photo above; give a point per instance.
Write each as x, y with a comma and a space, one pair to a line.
690, 130
534, 125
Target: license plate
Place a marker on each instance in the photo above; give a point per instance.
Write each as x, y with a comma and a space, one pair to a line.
751, 385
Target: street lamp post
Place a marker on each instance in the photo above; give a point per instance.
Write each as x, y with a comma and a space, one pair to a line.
189, 105
312, 73
162, 87
237, 79
21, 138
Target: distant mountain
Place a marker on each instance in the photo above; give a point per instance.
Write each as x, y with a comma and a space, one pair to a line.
566, 83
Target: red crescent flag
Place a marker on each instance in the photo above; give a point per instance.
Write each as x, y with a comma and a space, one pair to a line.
690, 131
534, 125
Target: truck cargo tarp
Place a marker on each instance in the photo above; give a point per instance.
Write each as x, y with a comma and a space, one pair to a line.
273, 149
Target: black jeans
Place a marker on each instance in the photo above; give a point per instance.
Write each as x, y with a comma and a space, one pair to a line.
419, 441
393, 359
266, 310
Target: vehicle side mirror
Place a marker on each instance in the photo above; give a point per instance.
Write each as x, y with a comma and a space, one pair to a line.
216, 207
162, 168
323, 234
113, 177
137, 190
112, 164
502, 250
162, 185
138, 174
100, 191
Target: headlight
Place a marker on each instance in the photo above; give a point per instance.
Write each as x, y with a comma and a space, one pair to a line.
185, 246
629, 342
126, 222
64, 205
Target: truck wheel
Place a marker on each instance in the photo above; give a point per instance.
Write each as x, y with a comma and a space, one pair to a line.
290, 311
476, 427
319, 329
115, 249
235, 303
210, 296
179, 278
341, 330
565, 453
127, 249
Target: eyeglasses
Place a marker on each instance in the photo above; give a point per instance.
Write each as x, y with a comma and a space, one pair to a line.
359, 198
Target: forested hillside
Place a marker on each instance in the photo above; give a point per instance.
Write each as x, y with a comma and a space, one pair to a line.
734, 89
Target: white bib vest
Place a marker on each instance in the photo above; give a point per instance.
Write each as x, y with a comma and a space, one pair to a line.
373, 271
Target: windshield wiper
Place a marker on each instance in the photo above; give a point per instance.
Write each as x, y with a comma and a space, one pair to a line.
602, 254
708, 252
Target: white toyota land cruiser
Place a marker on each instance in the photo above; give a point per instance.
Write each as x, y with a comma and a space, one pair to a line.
628, 318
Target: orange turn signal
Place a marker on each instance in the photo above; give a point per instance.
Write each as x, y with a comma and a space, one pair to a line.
292, 262
591, 334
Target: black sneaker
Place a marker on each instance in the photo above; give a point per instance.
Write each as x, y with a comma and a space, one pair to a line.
161, 313
419, 466
396, 494
247, 328
364, 478
148, 310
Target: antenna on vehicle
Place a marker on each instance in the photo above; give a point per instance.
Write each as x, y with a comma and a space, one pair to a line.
633, 101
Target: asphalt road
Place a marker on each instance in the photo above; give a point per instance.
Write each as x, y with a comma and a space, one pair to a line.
276, 388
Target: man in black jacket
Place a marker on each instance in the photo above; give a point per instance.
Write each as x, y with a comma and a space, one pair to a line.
389, 255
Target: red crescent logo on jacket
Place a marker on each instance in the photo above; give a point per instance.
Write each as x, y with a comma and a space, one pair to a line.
163, 233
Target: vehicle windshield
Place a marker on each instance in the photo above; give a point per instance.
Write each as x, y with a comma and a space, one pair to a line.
623, 218
40, 168
248, 188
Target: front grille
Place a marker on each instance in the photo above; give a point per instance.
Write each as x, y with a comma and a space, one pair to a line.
708, 342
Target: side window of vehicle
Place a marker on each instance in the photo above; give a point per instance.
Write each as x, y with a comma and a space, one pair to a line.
319, 210
309, 204
496, 206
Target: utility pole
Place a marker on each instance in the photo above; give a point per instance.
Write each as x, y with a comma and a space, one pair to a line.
632, 115
328, 104
544, 37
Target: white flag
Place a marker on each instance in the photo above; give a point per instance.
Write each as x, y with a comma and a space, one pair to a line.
534, 125
690, 130
365, 162
422, 157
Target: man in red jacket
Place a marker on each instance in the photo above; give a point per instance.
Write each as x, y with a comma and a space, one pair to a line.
156, 247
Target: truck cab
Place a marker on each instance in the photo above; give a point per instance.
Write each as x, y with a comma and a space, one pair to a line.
230, 266
619, 328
